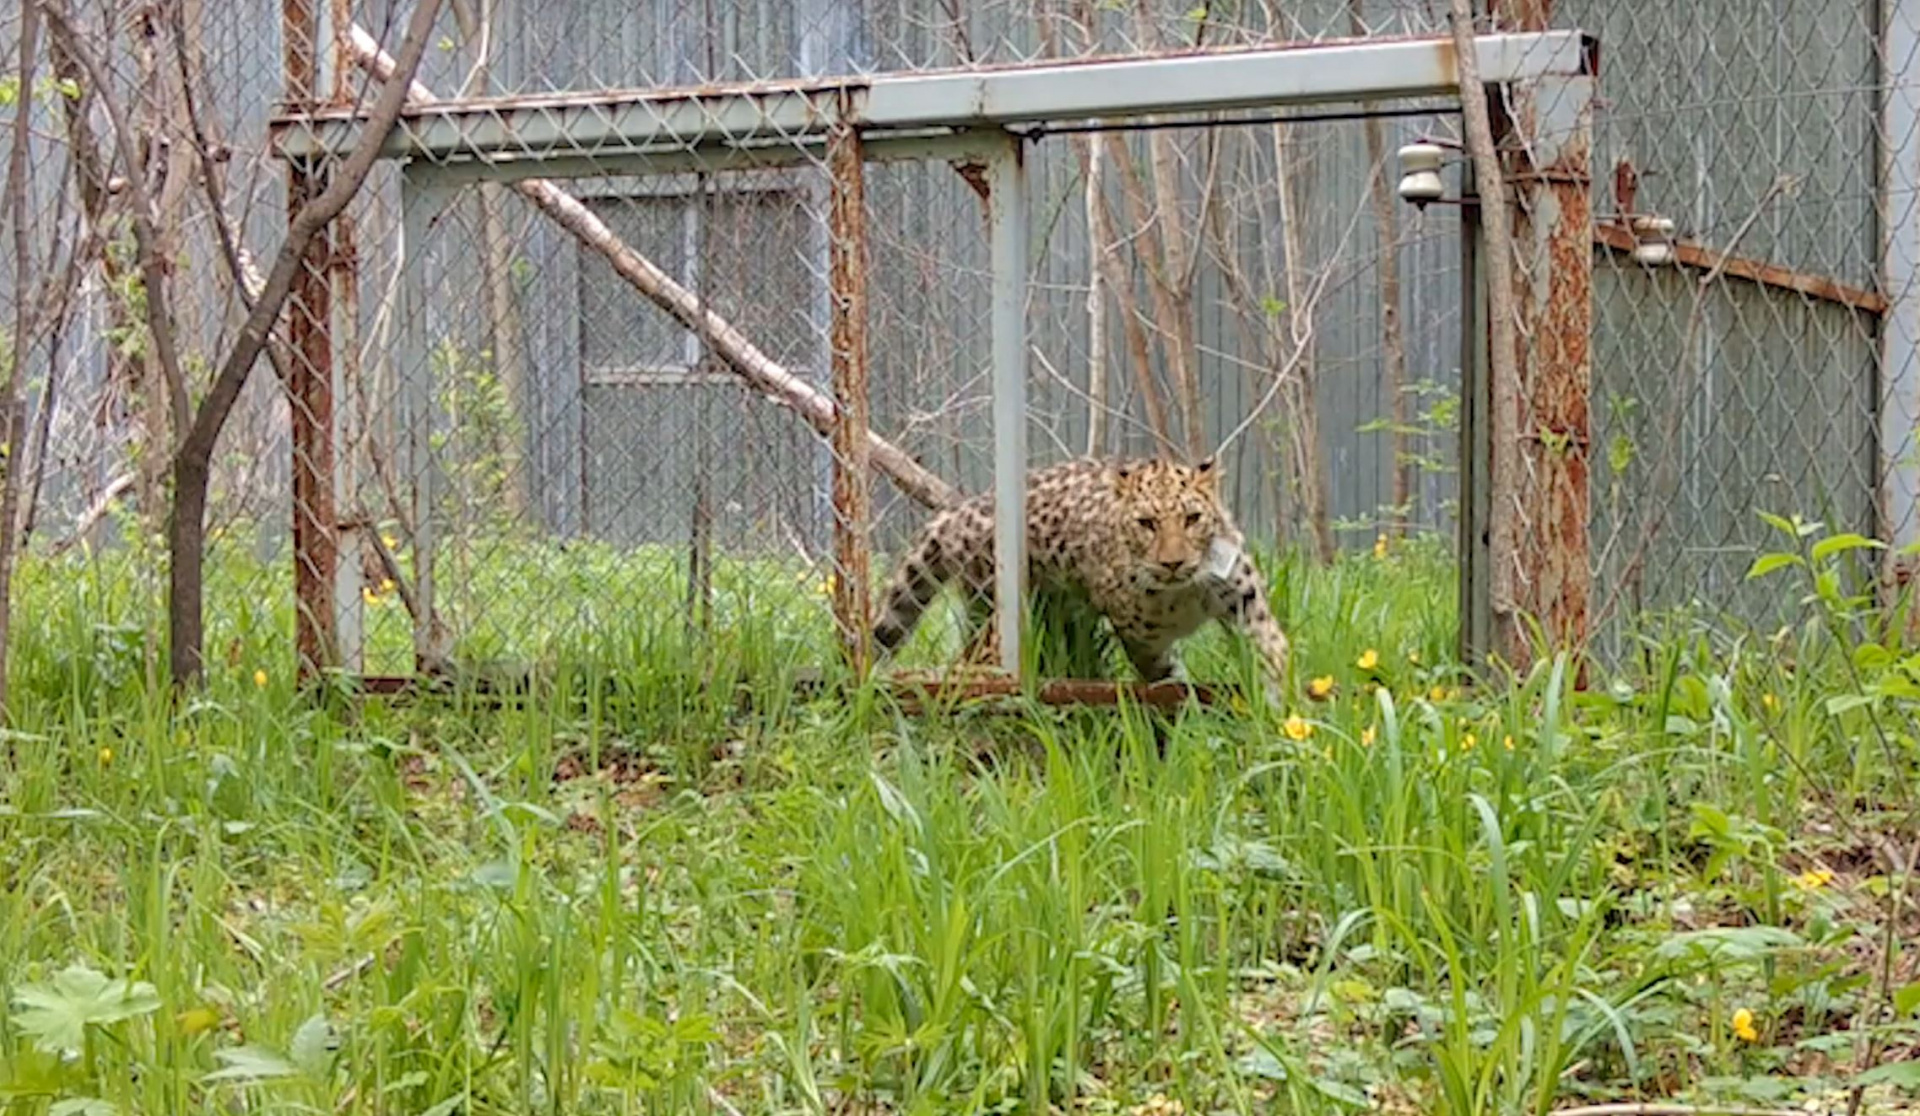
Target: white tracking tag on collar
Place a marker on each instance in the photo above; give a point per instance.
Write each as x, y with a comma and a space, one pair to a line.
1222, 554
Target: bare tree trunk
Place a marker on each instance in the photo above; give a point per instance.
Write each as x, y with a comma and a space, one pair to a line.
1304, 431
13, 417
1099, 242
193, 465
1172, 276
1503, 354
505, 329
1387, 273
1139, 345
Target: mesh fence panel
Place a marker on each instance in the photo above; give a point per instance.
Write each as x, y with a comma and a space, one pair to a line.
600, 476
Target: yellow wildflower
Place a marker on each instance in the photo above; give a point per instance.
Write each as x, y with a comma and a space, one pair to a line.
1743, 1027
1369, 659
106, 756
368, 595
1367, 736
1467, 741
1297, 727
1507, 743
386, 585
260, 679
1380, 546
390, 542
1813, 879
1770, 702
1437, 694
1321, 686
1413, 657
195, 1020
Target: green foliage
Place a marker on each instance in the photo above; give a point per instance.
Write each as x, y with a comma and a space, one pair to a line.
663, 879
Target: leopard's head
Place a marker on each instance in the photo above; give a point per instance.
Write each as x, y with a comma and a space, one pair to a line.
1170, 515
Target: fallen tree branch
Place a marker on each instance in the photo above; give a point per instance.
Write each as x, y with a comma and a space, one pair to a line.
760, 371
96, 511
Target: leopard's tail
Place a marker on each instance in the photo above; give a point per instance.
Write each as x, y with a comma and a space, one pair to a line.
916, 582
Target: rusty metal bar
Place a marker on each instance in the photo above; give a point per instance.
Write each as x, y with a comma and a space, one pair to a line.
852, 474
1544, 131
913, 693
1617, 238
310, 387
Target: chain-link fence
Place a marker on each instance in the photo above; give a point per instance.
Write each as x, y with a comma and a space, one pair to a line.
518, 426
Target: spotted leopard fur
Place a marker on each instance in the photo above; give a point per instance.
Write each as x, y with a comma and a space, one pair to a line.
1148, 542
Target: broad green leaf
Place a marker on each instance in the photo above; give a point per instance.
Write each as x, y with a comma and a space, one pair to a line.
313, 1046
57, 1014
83, 1106
250, 1063
1907, 1000
1843, 703
1777, 523
1901, 1075
1768, 563
1837, 544
1729, 943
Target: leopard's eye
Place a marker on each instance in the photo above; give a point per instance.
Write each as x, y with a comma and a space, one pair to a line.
1193, 519
1147, 522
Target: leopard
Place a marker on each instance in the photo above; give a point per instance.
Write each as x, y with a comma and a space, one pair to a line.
1148, 542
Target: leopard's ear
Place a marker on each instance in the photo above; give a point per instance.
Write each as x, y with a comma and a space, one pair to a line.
1207, 473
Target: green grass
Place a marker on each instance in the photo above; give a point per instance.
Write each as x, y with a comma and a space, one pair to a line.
666, 885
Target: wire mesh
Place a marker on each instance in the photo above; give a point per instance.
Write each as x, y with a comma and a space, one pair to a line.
593, 474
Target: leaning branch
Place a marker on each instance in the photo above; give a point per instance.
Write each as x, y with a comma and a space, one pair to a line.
1503, 344
747, 361
193, 464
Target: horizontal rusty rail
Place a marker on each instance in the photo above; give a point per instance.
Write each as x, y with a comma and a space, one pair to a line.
1780, 277
913, 691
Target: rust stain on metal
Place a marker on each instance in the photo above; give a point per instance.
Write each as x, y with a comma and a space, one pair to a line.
1780, 277
852, 469
316, 550
1548, 166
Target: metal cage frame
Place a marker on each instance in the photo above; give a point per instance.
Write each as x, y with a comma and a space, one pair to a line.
979, 120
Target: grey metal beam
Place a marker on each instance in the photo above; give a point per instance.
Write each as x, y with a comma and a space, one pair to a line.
1007, 244
1900, 278
1108, 89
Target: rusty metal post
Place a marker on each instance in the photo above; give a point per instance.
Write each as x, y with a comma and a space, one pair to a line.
349, 582
852, 478
1543, 130
310, 386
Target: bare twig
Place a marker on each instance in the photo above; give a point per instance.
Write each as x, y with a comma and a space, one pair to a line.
193, 464
146, 233
1387, 273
